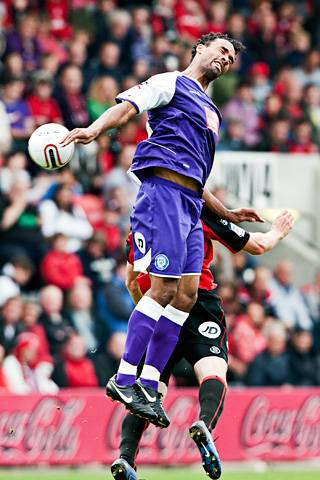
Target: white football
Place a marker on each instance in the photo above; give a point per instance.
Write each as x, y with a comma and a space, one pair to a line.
44, 147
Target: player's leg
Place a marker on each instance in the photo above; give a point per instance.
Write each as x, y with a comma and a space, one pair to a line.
133, 427
168, 328
204, 340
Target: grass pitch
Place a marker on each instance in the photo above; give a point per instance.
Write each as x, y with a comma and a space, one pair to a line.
155, 474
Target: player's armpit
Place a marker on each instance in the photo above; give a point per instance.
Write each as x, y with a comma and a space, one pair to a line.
132, 284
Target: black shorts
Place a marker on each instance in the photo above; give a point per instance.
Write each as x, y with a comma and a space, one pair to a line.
203, 335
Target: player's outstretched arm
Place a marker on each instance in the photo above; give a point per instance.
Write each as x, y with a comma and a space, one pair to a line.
114, 117
260, 243
235, 216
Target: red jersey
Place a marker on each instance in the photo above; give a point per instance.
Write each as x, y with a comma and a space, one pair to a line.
227, 233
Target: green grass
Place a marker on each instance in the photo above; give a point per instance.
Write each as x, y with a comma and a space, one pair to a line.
155, 474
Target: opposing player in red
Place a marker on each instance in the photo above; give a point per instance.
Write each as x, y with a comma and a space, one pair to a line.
202, 342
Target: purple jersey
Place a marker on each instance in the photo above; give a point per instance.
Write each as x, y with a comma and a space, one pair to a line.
183, 125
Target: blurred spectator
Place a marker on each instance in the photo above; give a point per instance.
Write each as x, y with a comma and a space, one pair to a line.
301, 359
259, 77
276, 138
97, 264
71, 101
101, 96
271, 367
120, 178
114, 303
14, 167
242, 107
6, 137
246, 339
30, 320
286, 298
107, 63
19, 219
14, 65
74, 369
21, 121
61, 267
24, 41
59, 215
23, 371
311, 295
83, 317
10, 324
302, 138
43, 107
3, 381
19, 271
311, 106
310, 72
233, 137
56, 325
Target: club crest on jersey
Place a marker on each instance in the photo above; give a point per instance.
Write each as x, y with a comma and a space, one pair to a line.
210, 329
161, 262
215, 350
140, 241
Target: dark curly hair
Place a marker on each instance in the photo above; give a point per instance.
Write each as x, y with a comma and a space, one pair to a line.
210, 37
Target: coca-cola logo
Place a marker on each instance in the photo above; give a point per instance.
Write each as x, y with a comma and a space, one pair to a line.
172, 443
50, 430
282, 432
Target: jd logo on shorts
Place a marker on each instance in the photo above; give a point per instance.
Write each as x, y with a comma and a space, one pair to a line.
210, 329
161, 262
215, 350
140, 242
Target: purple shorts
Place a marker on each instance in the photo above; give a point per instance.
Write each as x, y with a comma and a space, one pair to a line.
166, 229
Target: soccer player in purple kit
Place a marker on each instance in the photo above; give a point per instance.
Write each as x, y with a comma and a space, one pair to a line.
173, 165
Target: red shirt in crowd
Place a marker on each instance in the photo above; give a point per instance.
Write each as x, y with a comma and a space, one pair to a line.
61, 269
79, 372
44, 111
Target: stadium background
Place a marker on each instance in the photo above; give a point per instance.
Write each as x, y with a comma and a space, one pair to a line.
63, 302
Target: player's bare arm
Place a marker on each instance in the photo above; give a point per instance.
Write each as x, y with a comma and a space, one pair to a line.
235, 216
260, 243
132, 284
114, 117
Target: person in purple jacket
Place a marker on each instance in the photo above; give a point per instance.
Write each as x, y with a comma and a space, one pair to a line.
172, 165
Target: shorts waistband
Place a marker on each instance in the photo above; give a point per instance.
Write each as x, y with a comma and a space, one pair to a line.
168, 183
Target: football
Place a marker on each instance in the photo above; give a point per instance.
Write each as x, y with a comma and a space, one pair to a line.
44, 147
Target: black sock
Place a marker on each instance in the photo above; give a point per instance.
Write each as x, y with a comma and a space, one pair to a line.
131, 433
211, 397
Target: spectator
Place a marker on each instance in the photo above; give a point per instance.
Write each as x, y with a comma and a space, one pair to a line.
56, 325
311, 295
14, 167
247, 339
20, 271
23, 371
102, 93
61, 267
30, 320
19, 219
310, 72
311, 106
259, 75
97, 264
24, 41
3, 381
21, 122
302, 141
83, 317
257, 290
71, 101
10, 324
271, 367
114, 302
233, 138
108, 62
242, 107
6, 137
286, 298
301, 359
74, 369
43, 107
60, 215
14, 65
277, 139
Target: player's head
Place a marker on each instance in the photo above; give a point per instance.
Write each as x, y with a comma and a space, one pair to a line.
215, 53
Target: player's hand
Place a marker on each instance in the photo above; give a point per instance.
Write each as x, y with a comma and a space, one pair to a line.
244, 215
79, 135
283, 223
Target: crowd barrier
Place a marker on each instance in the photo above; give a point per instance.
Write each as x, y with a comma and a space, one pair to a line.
82, 426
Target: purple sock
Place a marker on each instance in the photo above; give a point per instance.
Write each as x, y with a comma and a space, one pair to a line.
163, 342
141, 325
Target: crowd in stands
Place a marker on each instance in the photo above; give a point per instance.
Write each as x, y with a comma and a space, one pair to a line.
64, 306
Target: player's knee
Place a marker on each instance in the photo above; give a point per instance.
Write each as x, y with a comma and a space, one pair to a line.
163, 294
185, 301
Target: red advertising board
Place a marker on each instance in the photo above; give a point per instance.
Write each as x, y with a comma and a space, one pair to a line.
82, 426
